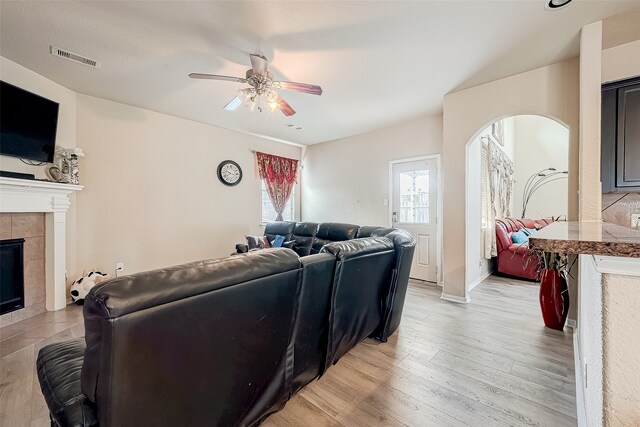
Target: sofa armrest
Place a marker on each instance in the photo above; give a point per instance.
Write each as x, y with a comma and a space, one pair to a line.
59, 366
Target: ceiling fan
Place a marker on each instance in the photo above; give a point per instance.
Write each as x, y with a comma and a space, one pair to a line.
262, 83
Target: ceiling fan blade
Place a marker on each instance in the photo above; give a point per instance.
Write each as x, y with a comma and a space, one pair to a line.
217, 77
259, 64
298, 87
233, 104
286, 109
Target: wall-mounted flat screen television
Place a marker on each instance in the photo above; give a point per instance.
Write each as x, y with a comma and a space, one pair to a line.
28, 124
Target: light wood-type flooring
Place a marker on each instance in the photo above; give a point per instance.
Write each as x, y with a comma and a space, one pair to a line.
487, 363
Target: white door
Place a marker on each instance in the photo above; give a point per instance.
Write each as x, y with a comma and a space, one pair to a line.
414, 209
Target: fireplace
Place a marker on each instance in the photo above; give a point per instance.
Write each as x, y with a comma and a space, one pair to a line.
20, 196
11, 275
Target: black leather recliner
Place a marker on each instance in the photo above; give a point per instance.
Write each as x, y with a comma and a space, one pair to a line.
220, 342
310, 237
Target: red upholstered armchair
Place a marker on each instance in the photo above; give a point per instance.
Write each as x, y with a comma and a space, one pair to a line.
513, 258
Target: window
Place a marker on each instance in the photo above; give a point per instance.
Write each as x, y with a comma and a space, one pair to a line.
269, 213
485, 201
414, 197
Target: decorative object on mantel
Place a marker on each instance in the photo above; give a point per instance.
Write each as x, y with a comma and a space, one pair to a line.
279, 174
537, 180
554, 293
53, 172
69, 171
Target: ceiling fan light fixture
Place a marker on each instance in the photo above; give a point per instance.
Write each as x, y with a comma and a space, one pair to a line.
262, 83
272, 96
557, 4
245, 94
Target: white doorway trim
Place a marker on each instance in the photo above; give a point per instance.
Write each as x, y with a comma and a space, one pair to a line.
438, 210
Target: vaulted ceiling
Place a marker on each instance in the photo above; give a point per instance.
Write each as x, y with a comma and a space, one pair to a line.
379, 62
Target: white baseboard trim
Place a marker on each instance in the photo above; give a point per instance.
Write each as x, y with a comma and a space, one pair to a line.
580, 403
455, 298
571, 323
478, 281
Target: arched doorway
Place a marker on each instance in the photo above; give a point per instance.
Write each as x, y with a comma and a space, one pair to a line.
516, 167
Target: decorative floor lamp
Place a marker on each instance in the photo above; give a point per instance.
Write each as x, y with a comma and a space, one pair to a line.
537, 180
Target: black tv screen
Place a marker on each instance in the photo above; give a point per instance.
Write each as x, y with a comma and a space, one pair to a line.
28, 124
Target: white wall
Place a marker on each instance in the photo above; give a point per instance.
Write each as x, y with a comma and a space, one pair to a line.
621, 62
541, 143
347, 180
589, 345
548, 91
590, 186
478, 266
509, 146
152, 197
20, 76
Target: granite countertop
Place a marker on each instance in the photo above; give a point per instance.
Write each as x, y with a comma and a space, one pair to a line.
592, 238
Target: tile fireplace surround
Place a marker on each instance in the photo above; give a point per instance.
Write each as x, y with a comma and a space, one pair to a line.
18, 196
30, 227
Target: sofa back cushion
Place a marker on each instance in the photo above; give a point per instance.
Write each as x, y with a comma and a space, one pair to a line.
373, 231
279, 228
404, 245
303, 234
329, 232
360, 285
311, 329
207, 342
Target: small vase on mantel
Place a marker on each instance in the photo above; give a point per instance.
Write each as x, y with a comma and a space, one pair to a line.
554, 295
69, 170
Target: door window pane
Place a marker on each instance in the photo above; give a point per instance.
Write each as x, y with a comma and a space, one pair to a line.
414, 197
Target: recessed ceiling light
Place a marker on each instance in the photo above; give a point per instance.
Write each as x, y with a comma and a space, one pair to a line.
557, 4
289, 125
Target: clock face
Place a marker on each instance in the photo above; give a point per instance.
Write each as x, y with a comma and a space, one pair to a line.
229, 173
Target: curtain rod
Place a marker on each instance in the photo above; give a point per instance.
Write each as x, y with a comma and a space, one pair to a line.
299, 161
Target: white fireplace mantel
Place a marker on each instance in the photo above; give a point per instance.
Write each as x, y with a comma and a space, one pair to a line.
52, 198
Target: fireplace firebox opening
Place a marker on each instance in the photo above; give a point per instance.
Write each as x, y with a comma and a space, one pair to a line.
11, 275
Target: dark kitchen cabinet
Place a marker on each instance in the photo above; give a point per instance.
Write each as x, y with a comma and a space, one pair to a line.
621, 136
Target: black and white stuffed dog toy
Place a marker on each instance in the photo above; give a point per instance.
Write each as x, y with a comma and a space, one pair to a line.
82, 285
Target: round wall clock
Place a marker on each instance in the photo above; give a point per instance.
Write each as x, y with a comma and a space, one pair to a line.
229, 173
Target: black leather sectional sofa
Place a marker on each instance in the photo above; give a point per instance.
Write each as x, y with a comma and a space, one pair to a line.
227, 342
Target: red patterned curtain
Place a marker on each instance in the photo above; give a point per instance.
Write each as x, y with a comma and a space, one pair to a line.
279, 174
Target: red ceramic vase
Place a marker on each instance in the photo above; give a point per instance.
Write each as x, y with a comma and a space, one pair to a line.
554, 299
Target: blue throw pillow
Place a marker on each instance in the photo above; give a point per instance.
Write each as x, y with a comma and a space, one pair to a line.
531, 231
519, 237
277, 242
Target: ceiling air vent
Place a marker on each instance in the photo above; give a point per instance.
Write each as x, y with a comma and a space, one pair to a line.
65, 54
